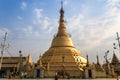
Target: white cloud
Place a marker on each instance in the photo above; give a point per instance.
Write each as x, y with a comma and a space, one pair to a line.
28, 31
113, 7
44, 22
65, 2
38, 13
23, 5
75, 22
19, 18
41, 24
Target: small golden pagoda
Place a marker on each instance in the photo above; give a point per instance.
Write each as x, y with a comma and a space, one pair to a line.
62, 58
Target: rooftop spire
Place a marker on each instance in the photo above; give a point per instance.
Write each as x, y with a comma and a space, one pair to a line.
87, 65
62, 11
115, 60
62, 38
98, 60
62, 27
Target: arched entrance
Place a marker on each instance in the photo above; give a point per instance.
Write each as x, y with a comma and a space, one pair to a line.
90, 73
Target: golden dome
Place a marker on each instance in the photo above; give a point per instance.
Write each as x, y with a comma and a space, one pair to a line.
62, 41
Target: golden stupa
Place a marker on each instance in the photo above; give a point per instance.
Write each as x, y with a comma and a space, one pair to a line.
62, 57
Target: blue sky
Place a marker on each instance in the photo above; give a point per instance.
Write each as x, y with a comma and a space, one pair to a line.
31, 25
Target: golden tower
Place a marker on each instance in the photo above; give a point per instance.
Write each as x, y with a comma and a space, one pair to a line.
62, 55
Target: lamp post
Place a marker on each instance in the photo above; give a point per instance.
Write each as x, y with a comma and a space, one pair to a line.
20, 66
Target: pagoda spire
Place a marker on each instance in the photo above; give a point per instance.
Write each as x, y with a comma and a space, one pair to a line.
115, 60
62, 38
87, 65
62, 11
97, 59
62, 27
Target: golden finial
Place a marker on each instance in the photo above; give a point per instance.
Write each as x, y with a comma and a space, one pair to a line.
62, 11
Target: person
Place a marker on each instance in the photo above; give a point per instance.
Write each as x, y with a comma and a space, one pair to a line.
56, 78
118, 77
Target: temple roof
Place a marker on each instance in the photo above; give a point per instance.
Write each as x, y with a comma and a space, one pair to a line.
12, 61
98, 66
114, 59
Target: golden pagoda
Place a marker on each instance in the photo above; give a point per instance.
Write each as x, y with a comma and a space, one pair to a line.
62, 58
